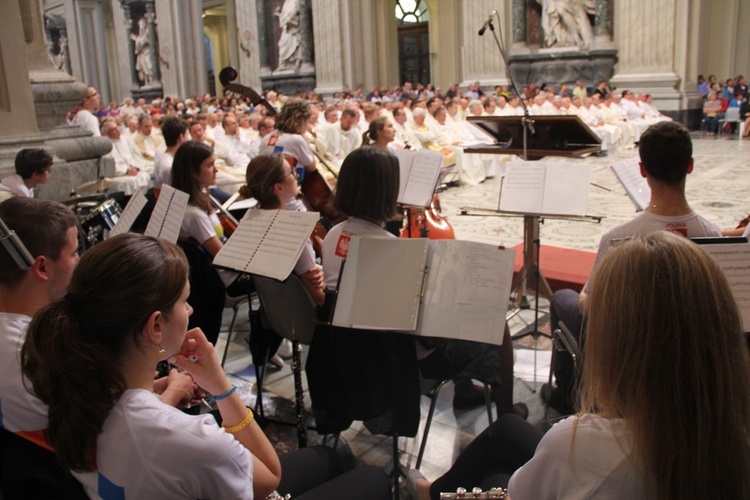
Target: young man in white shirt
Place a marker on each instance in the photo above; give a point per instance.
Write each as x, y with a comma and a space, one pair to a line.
32, 168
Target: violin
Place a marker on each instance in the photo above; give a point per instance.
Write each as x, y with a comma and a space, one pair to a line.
228, 222
427, 223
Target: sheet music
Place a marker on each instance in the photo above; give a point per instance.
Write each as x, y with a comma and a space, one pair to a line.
523, 187
168, 213
545, 188
247, 203
267, 242
566, 189
131, 212
734, 259
381, 284
468, 285
628, 172
419, 171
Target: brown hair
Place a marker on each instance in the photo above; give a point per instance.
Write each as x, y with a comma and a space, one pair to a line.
32, 161
371, 135
291, 117
74, 346
41, 225
263, 173
665, 341
368, 185
185, 167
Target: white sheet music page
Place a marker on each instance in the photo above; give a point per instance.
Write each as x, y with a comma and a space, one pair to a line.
424, 169
566, 189
168, 213
523, 187
734, 259
131, 212
628, 172
267, 242
381, 284
468, 285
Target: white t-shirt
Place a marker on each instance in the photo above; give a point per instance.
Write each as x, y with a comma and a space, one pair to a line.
290, 145
199, 225
163, 170
148, 449
14, 183
87, 121
336, 245
20, 411
597, 467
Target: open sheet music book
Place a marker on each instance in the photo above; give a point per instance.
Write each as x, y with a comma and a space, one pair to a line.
435, 288
131, 212
167, 216
267, 242
419, 175
734, 259
628, 172
536, 187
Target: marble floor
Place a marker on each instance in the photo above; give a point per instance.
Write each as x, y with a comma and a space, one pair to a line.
714, 189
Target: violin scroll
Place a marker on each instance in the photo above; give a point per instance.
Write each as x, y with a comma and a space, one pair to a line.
228, 75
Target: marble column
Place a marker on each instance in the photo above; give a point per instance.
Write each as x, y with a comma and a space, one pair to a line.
328, 26
603, 25
307, 55
519, 23
481, 59
250, 48
263, 38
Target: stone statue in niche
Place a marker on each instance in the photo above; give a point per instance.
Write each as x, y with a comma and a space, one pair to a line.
289, 49
566, 22
144, 46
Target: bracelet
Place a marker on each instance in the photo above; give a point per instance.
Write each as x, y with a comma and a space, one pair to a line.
237, 428
223, 396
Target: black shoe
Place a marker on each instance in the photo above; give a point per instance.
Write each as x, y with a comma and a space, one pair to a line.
556, 399
474, 399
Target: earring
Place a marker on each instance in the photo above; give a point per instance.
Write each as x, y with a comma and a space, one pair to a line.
162, 351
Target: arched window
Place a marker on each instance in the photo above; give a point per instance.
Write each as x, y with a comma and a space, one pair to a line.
411, 11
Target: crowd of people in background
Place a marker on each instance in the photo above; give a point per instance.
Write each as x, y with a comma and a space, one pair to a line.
720, 96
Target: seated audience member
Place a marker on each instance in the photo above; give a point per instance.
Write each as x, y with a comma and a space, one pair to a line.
664, 333
33, 167
123, 153
366, 192
343, 137
711, 110
147, 144
126, 310
175, 133
230, 147
666, 159
273, 182
198, 133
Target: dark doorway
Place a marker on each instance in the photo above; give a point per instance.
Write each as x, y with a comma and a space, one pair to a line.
414, 52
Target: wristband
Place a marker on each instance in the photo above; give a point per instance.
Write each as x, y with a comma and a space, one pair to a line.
223, 396
237, 428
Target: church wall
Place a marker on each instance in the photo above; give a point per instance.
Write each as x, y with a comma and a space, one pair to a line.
480, 56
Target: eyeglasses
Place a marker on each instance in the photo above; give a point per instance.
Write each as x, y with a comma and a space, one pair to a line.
92, 95
294, 173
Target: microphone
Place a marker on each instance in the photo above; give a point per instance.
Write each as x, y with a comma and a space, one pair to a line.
488, 22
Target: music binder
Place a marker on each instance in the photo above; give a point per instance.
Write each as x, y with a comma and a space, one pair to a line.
436, 288
628, 172
267, 242
132, 210
733, 255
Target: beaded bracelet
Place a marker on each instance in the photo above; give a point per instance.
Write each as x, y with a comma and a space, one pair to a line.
223, 396
237, 428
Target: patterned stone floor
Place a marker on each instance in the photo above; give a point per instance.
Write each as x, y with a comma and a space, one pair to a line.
714, 189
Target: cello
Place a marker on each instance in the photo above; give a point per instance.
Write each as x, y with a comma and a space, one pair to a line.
427, 222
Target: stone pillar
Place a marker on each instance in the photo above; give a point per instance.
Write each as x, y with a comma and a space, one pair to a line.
263, 37
330, 25
481, 58
603, 25
131, 44
307, 54
249, 43
519, 24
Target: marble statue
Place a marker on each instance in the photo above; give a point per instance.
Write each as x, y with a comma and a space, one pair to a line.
289, 49
566, 22
143, 54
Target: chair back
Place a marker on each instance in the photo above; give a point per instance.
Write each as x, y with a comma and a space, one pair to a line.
732, 115
288, 308
207, 291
